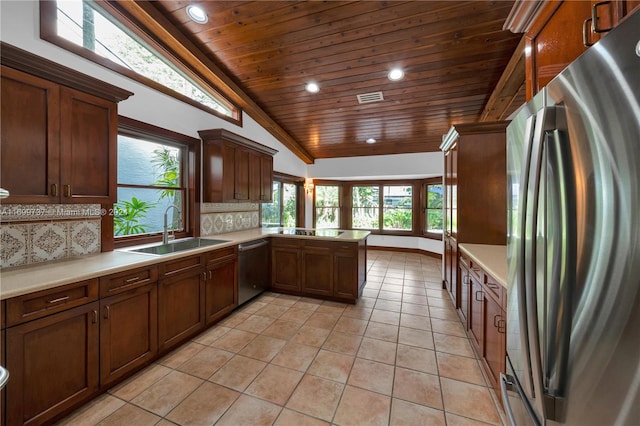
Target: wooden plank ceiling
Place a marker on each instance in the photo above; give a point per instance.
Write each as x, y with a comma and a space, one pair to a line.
453, 54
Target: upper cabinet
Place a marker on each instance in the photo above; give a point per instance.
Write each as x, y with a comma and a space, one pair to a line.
557, 32
235, 169
58, 139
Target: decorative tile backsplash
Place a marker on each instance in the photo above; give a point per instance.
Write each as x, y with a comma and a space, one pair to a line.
43, 232
221, 218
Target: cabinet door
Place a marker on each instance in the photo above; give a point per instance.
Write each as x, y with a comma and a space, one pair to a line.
180, 308
241, 178
285, 273
317, 269
345, 273
53, 362
495, 344
266, 178
463, 295
88, 136
255, 176
128, 332
220, 289
476, 314
30, 111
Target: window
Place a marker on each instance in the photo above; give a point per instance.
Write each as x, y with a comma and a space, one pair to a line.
153, 174
90, 28
365, 210
433, 223
398, 208
327, 206
283, 210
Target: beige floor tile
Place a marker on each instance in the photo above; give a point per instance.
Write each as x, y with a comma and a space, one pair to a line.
366, 302
296, 355
414, 386
459, 368
130, 415
419, 359
282, 329
440, 294
453, 345
292, 418
455, 420
390, 295
331, 365
382, 331
234, 319
388, 305
342, 342
297, 315
133, 386
323, 320
397, 273
211, 335
250, 411
273, 311
304, 304
371, 292
206, 362
469, 400
362, 407
181, 355
415, 290
316, 397
204, 406
255, 324
351, 325
312, 336
439, 303
372, 375
405, 413
453, 328
413, 309
415, 299
238, 372
355, 311
374, 285
264, 348
415, 321
385, 317
285, 300
94, 412
275, 384
234, 340
164, 422
167, 393
253, 307
416, 337
392, 284
378, 350
443, 313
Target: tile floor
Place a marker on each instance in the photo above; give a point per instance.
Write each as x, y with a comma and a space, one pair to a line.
399, 356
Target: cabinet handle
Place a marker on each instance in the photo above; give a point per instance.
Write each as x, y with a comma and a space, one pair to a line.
59, 299
67, 190
502, 325
204, 276
495, 320
585, 32
54, 190
131, 280
210, 275
594, 18
476, 296
95, 317
107, 310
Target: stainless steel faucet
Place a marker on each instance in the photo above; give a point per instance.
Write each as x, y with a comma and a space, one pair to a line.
165, 231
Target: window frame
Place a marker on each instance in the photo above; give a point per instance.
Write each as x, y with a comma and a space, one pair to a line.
341, 201
283, 178
191, 203
48, 32
423, 210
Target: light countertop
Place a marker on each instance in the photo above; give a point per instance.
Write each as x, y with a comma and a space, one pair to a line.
491, 258
27, 279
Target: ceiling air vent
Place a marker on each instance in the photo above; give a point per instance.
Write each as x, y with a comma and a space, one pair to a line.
366, 98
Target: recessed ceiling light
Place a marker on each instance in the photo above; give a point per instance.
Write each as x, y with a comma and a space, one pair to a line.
371, 140
396, 74
197, 14
312, 88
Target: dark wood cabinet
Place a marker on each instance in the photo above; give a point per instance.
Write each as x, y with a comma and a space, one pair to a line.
128, 332
53, 362
317, 269
221, 284
65, 138
285, 264
476, 314
495, 343
236, 169
465, 288
348, 272
180, 300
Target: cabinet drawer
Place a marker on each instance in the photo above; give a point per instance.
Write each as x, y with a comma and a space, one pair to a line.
495, 289
179, 266
222, 255
476, 271
42, 303
464, 260
123, 281
286, 242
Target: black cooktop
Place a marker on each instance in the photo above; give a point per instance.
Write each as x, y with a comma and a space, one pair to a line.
312, 232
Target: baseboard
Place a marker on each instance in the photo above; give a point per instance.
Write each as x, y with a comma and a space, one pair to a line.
406, 250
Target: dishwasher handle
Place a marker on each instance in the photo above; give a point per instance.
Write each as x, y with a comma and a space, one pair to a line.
252, 245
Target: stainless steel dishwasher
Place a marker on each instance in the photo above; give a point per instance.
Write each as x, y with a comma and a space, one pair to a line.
253, 269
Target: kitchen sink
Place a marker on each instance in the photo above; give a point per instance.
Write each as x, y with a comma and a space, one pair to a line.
176, 246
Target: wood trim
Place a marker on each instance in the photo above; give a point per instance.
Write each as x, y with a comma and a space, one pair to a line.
22, 60
163, 29
223, 134
406, 250
522, 15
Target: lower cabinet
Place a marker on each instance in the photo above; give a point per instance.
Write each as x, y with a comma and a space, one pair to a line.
53, 362
221, 291
180, 301
348, 272
494, 356
285, 264
317, 269
476, 314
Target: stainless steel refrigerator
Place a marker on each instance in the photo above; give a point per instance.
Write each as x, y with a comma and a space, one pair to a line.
573, 298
